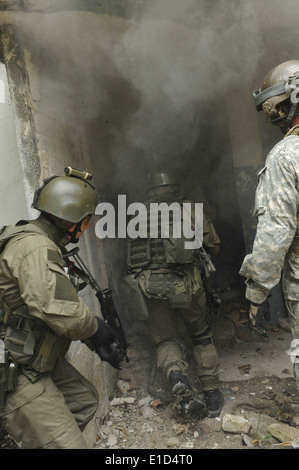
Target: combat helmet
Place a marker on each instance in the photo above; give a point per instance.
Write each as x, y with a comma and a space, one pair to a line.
161, 178
70, 197
279, 95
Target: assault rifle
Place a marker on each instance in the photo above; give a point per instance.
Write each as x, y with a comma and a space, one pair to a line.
213, 297
104, 297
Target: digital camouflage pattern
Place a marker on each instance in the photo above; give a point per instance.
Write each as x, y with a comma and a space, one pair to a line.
276, 245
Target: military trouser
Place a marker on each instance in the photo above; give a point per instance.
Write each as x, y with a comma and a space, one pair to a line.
52, 412
293, 313
165, 333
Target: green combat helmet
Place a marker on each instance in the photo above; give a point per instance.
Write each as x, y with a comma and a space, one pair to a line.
70, 198
161, 178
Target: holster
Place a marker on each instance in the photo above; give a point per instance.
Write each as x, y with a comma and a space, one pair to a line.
176, 287
8, 378
133, 296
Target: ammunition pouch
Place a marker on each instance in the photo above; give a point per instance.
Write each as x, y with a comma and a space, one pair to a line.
156, 252
176, 286
133, 297
29, 341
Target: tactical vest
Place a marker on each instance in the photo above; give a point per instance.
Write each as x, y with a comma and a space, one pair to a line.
166, 269
29, 342
159, 252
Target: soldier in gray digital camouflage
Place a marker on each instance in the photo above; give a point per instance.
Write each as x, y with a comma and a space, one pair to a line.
171, 279
44, 401
275, 253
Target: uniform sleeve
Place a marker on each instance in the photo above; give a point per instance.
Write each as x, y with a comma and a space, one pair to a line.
50, 295
211, 241
276, 210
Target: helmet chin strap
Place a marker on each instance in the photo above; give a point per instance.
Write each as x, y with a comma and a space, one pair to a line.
291, 114
285, 122
73, 234
65, 226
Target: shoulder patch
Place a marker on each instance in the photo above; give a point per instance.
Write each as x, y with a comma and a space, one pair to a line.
54, 256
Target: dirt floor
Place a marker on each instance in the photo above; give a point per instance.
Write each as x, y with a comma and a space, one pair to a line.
256, 381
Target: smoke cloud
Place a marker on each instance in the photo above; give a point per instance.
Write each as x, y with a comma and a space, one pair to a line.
157, 83
154, 82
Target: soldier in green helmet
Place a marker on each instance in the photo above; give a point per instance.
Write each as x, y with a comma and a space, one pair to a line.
171, 279
44, 401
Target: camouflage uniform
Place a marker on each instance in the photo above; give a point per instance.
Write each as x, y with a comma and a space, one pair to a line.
276, 244
41, 314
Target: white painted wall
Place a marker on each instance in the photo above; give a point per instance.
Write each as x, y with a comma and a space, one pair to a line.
12, 201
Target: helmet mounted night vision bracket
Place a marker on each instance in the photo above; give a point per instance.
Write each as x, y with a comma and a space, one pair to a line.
292, 89
69, 171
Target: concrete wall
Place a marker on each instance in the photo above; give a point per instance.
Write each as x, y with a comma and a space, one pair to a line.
13, 206
34, 147
120, 88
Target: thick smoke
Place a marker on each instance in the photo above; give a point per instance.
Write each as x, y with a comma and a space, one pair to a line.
149, 84
141, 85
155, 83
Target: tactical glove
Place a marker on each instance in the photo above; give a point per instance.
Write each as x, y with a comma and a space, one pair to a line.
105, 343
257, 313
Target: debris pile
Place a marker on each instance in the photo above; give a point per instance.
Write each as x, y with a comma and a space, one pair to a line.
251, 417
259, 411
5, 441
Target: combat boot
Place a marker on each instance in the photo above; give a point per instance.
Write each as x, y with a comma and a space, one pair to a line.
214, 402
187, 402
179, 384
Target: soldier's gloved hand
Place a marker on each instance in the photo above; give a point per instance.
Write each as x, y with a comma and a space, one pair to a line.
105, 343
257, 313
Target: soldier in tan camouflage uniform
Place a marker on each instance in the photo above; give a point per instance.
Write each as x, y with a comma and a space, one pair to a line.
44, 401
276, 245
171, 279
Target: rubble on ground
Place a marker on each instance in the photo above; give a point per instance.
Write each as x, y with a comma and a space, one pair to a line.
258, 413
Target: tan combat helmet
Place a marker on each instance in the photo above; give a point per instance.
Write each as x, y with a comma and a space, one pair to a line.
279, 95
71, 197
